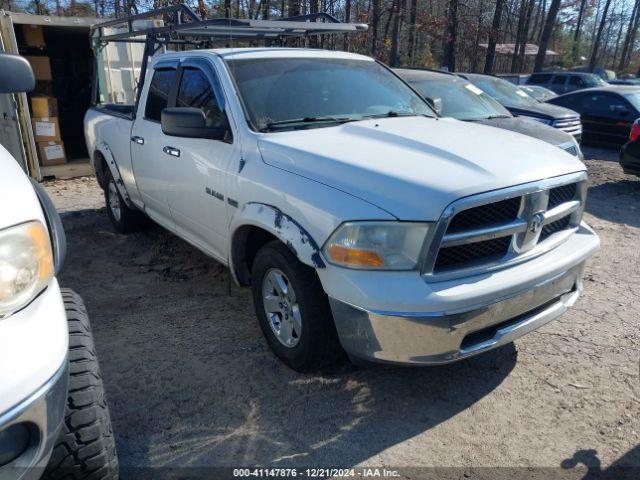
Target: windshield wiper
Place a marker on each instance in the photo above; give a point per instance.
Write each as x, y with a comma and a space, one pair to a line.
392, 113
490, 117
305, 121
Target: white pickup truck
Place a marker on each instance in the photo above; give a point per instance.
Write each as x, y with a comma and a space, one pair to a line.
363, 222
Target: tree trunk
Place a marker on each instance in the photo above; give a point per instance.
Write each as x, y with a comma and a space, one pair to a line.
630, 36
394, 57
519, 28
525, 36
549, 23
413, 15
476, 44
493, 35
375, 20
596, 43
576, 36
450, 34
227, 8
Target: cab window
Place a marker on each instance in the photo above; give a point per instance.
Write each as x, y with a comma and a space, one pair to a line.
195, 91
559, 80
159, 90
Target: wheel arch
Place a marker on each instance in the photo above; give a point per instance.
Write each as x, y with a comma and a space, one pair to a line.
103, 161
257, 225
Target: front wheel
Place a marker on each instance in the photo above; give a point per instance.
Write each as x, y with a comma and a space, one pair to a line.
293, 310
86, 448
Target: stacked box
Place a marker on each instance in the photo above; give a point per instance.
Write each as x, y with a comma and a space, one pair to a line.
41, 66
33, 36
51, 153
46, 131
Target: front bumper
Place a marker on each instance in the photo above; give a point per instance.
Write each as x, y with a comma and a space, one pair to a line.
42, 414
463, 317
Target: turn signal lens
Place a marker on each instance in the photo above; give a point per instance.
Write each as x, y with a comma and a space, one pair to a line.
26, 265
377, 245
354, 256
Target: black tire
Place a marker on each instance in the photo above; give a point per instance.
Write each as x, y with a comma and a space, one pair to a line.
318, 345
86, 448
128, 219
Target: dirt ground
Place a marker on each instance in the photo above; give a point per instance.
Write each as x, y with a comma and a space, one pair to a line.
192, 383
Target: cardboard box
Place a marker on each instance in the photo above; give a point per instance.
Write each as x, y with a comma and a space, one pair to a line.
43, 87
33, 35
46, 129
41, 67
43, 106
51, 153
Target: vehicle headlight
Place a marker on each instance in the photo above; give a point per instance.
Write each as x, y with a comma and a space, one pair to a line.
542, 120
377, 245
26, 265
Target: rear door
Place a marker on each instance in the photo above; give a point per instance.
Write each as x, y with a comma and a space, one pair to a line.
149, 163
606, 117
559, 84
576, 82
196, 167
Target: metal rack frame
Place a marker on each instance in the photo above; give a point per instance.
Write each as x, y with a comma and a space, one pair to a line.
182, 26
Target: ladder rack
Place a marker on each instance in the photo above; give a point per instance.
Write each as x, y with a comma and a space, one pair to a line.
183, 25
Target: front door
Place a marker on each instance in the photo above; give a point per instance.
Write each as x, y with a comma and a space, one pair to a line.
149, 163
196, 167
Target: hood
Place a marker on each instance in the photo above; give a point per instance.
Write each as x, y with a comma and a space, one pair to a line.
413, 167
531, 128
543, 110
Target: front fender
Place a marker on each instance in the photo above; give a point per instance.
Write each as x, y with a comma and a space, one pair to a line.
281, 226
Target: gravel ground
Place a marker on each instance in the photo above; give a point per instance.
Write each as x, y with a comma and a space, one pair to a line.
192, 383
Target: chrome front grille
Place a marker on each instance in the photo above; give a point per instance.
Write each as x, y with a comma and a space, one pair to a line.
496, 229
573, 126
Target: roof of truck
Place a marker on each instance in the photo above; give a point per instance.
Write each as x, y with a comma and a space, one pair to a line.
272, 52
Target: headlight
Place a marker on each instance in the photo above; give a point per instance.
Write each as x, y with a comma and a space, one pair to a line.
542, 120
26, 265
377, 245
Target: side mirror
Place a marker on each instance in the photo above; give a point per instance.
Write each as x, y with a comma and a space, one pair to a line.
189, 122
16, 74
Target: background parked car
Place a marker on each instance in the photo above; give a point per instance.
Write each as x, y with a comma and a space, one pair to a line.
625, 81
603, 73
455, 97
519, 103
565, 82
630, 152
607, 113
539, 93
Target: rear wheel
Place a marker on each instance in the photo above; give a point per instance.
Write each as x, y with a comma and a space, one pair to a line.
123, 218
293, 310
86, 448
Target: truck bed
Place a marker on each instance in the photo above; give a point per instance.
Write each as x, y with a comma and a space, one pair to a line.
117, 109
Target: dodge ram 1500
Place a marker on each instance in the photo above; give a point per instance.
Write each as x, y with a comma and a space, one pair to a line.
362, 221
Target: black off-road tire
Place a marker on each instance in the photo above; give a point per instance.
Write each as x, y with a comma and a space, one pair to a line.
318, 345
130, 219
86, 448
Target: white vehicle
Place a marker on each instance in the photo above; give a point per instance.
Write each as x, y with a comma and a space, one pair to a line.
362, 221
52, 408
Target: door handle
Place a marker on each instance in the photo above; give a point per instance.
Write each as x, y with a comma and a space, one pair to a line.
138, 140
174, 152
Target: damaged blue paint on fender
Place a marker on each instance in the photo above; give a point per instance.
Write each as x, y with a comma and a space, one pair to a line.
290, 232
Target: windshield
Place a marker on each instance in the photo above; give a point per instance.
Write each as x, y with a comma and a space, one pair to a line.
504, 92
457, 98
634, 99
287, 93
592, 80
